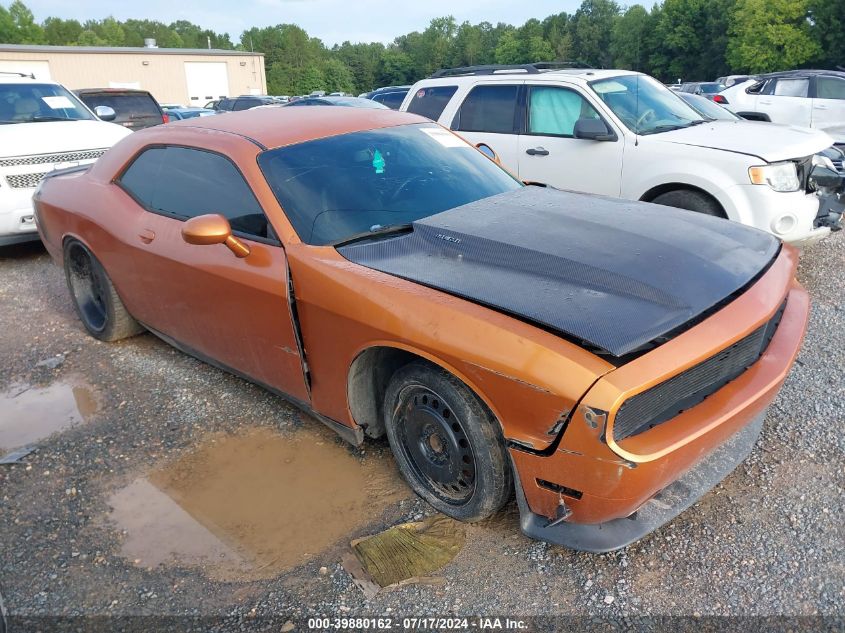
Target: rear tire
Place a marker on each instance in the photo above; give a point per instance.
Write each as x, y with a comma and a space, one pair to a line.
95, 299
692, 201
447, 444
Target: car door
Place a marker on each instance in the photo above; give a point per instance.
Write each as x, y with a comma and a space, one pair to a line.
829, 106
786, 100
549, 152
488, 114
233, 311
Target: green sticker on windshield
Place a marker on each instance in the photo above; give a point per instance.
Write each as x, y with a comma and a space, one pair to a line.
378, 162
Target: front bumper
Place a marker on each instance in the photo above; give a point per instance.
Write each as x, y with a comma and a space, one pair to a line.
660, 509
17, 216
601, 480
794, 217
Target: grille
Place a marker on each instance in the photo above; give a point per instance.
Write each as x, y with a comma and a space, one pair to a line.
689, 388
839, 166
45, 159
25, 181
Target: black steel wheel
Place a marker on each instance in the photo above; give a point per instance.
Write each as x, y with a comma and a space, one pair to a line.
96, 301
448, 446
435, 444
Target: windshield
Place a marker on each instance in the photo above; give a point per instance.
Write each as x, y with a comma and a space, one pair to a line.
33, 102
708, 109
645, 105
335, 188
711, 89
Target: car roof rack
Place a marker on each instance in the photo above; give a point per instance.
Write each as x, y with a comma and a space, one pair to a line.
495, 69
11, 72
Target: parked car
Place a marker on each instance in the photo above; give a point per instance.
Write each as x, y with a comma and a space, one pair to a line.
571, 129
705, 88
43, 127
391, 96
244, 102
708, 108
609, 360
351, 102
178, 114
808, 98
134, 109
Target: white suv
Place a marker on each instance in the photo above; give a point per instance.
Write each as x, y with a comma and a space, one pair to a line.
810, 98
42, 127
624, 134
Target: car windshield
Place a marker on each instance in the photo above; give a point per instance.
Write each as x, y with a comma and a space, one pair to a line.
711, 88
369, 183
34, 102
644, 105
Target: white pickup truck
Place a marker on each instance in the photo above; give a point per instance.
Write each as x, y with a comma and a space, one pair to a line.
42, 127
624, 134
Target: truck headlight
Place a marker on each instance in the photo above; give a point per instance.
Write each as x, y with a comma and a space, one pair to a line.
779, 176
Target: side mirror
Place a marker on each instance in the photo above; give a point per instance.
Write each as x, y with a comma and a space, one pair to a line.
105, 113
593, 130
213, 229
489, 152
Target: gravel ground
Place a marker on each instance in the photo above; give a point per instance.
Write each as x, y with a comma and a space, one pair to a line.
767, 541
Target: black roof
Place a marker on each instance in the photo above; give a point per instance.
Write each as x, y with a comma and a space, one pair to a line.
801, 73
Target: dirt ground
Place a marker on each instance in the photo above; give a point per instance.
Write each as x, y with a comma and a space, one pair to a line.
162, 486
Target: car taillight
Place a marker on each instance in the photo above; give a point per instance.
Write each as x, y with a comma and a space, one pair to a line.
165, 117
720, 99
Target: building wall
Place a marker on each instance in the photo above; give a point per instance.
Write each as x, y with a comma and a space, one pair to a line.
162, 74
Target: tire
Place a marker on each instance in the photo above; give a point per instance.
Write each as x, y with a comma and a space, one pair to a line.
96, 301
692, 201
448, 446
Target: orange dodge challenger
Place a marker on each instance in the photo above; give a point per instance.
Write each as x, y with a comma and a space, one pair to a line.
609, 360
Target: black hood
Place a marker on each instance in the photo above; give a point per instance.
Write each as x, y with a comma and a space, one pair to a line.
613, 273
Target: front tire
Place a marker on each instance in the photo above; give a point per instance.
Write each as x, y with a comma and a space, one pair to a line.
448, 446
95, 299
691, 201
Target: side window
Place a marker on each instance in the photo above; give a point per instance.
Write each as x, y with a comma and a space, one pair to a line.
488, 109
225, 104
830, 88
185, 183
554, 111
792, 87
245, 104
756, 89
393, 100
430, 102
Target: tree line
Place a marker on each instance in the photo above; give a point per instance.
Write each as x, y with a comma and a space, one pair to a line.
676, 39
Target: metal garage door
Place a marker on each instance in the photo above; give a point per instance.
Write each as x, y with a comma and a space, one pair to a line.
40, 69
206, 81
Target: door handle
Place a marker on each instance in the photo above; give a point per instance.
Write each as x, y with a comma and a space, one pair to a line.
147, 236
765, 102
537, 151
821, 107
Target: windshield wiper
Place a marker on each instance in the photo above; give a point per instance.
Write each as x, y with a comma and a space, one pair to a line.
375, 231
670, 127
47, 117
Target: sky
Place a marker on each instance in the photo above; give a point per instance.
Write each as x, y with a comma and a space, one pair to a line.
333, 21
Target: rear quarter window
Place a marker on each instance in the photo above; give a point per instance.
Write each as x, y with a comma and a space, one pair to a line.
430, 102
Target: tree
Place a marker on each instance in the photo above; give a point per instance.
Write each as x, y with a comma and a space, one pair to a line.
768, 35
628, 43
828, 29
24, 29
592, 26
59, 32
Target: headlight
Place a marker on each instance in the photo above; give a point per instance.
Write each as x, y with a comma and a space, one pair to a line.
779, 176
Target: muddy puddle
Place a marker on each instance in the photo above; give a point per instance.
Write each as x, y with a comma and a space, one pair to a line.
29, 414
252, 505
